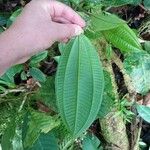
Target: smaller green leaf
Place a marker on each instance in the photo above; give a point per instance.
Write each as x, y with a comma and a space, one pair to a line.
11, 72
39, 122
45, 142
38, 57
137, 66
13, 17
37, 74
123, 38
57, 58
105, 21
23, 75
144, 112
91, 142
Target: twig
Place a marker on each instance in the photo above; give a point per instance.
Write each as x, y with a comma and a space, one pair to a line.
13, 91
23, 102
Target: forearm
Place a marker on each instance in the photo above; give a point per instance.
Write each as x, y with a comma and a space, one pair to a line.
40, 24
12, 49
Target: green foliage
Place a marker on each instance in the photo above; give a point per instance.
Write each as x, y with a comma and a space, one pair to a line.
105, 21
45, 142
46, 94
13, 17
108, 97
34, 60
91, 142
79, 76
3, 20
80, 95
147, 46
11, 72
147, 4
37, 74
117, 3
39, 122
137, 65
7, 140
126, 114
144, 112
123, 38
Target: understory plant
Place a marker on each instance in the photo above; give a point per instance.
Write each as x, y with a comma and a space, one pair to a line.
79, 107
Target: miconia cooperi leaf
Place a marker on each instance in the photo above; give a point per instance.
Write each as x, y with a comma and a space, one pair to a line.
105, 21
123, 38
79, 85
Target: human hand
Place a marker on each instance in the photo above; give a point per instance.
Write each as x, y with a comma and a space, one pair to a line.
44, 22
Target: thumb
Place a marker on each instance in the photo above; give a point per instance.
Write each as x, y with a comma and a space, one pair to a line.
67, 31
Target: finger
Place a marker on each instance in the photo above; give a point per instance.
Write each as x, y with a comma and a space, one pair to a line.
66, 31
64, 41
58, 9
61, 20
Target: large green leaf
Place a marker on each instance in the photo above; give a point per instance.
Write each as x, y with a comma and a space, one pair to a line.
123, 38
45, 142
79, 85
137, 65
39, 122
105, 21
144, 112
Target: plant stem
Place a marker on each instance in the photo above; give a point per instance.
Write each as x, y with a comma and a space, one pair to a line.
69, 143
21, 89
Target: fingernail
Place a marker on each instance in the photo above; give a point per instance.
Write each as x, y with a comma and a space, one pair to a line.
78, 30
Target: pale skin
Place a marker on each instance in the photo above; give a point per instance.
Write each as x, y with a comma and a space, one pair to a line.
41, 23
